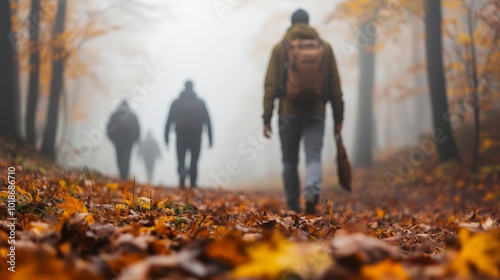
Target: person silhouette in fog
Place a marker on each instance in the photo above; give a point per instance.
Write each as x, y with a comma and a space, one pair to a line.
150, 152
189, 114
123, 130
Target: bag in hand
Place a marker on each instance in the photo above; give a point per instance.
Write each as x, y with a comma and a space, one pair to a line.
343, 165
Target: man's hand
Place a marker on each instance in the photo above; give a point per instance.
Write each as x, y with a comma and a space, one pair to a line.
338, 128
267, 131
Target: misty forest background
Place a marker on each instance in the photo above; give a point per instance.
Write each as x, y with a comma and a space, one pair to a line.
410, 70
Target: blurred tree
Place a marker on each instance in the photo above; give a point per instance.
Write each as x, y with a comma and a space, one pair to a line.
422, 117
56, 85
371, 17
8, 77
363, 15
474, 53
57, 31
34, 70
445, 141
475, 85
365, 130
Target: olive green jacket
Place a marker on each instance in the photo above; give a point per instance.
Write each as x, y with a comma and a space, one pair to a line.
276, 74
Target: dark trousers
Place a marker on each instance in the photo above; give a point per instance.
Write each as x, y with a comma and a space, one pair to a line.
188, 140
292, 129
123, 159
150, 165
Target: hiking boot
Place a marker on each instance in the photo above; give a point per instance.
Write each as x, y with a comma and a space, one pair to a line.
311, 202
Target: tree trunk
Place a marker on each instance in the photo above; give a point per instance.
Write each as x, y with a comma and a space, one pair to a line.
34, 78
421, 119
363, 156
475, 83
17, 89
7, 75
56, 85
437, 84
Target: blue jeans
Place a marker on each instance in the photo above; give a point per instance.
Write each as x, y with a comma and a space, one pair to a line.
292, 129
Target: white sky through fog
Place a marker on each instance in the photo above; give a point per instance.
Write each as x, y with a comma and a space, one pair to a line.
226, 59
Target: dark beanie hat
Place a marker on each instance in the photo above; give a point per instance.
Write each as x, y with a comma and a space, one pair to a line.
300, 16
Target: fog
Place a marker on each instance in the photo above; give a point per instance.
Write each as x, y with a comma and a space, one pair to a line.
225, 54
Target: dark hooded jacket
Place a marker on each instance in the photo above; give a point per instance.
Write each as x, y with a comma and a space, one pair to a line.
123, 126
188, 113
276, 74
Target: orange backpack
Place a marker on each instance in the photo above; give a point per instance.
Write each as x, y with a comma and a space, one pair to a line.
305, 75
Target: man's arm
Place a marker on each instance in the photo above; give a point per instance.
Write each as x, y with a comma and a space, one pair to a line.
335, 91
136, 127
111, 127
170, 119
271, 86
206, 120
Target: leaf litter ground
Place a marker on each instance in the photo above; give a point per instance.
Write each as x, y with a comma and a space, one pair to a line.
435, 223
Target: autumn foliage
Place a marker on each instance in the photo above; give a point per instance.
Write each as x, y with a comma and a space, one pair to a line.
81, 225
401, 221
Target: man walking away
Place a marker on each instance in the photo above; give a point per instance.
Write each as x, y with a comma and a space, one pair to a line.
123, 130
302, 74
150, 152
189, 114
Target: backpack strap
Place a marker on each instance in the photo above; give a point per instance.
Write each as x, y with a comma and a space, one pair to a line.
282, 86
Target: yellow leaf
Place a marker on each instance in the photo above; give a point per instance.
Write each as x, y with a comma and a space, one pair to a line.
452, 4
4, 194
479, 252
380, 213
387, 269
271, 258
489, 196
129, 197
121, 206
112, 186
146, 230
22, 192
62, 184
451, 219
463, 38
221, 232
457, 66
65, 248
89, 219
73, 205
145, 203
145, 206
485, 145
163, 204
